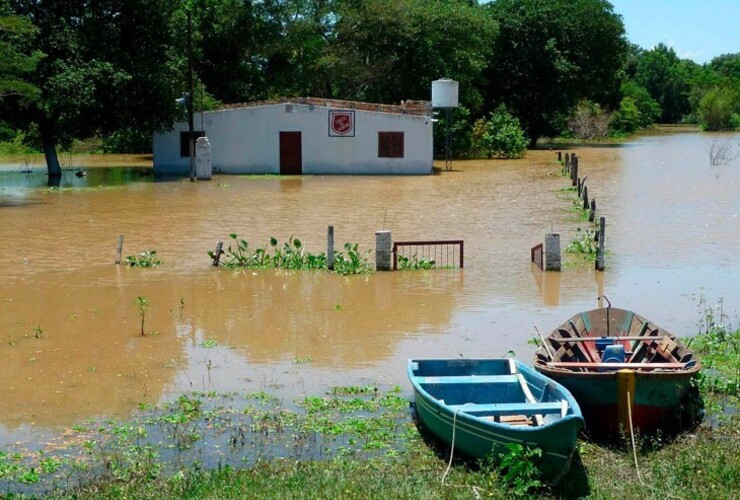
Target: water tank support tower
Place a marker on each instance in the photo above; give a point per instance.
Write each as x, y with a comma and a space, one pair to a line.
444, 95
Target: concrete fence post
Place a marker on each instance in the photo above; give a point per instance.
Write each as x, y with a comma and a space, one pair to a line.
203, 163
330, 248
552, 252
383, 251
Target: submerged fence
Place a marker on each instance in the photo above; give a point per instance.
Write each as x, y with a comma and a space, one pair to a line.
537, 255
437, 253
570, 166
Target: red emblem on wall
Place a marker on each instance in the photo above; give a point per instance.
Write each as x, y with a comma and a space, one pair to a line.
341, 123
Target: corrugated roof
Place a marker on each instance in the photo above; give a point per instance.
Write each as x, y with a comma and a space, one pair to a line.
420, 108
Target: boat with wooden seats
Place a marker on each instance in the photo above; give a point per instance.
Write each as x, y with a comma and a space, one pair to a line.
622, 369
479, 406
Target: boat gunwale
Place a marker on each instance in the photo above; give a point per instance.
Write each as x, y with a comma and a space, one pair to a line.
574, 410
646, 371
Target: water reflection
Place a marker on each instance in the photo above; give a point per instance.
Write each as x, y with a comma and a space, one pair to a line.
672, 231
19, 181
548, 283
72, 348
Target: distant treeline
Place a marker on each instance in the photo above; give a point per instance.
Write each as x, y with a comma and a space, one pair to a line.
112, 69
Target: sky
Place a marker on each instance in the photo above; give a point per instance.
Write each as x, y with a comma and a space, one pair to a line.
696, 29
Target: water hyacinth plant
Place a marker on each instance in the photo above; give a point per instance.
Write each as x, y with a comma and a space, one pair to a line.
353, 262
584, 243
291, 255
415, 263
144, 259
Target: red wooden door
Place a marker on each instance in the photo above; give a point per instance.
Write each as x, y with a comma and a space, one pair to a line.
291, 160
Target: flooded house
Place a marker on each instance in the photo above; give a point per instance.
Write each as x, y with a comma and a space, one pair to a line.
305, 136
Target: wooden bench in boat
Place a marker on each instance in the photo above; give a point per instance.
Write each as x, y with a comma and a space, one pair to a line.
529, 409
471, 379
619, 366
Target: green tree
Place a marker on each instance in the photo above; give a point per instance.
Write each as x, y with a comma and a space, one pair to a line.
109, 64
636, 109
225, 35
648, 107
726, 66
668, 80
552, 53
389, 50
18, 62
499, 135
246, 50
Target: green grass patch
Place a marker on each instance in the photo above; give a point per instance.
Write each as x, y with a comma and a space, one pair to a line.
362, 442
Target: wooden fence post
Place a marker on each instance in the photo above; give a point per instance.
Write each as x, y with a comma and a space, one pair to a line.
585, 197
217, 253
602, 245
330, 248
119, 250
592, 213
574, 168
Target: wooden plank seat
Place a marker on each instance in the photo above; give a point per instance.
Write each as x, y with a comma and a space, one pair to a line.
619, 366
472, 379
483, 410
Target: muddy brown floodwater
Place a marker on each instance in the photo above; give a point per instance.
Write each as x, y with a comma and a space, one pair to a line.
70, 331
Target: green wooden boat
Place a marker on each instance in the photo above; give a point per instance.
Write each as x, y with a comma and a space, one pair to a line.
624, 371
479, 406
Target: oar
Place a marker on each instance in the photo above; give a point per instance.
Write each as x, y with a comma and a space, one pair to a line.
547, 347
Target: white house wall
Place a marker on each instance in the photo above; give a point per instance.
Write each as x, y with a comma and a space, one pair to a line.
246, 141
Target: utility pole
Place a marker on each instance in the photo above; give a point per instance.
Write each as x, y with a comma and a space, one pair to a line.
191, 138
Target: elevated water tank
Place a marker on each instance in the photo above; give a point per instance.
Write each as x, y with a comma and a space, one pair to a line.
444, 93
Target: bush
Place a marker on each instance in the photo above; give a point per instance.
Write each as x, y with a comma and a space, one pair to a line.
627, 118
636, 110
587, 121
499, 135
718, 107
16, 146
735, 121
128, 141
648, 108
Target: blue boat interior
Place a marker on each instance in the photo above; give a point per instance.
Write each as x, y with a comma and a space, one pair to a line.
461, 367
498, 389
488, 387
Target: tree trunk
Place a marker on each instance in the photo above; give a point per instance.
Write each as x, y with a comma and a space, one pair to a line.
49, 143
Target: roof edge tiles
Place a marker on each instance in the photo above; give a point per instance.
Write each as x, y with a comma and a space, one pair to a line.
420, 108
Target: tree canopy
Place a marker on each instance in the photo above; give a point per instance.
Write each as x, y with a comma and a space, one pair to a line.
107, 64
80, 68
552, 53
16, 34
